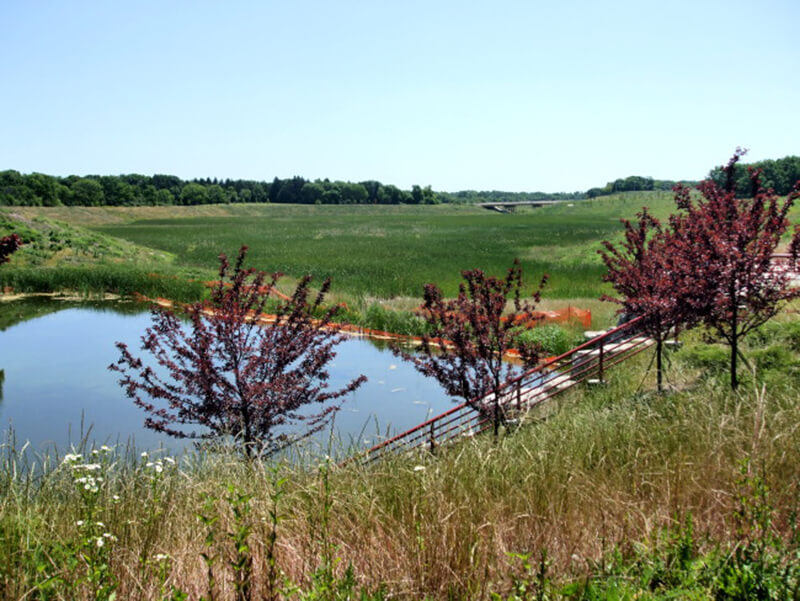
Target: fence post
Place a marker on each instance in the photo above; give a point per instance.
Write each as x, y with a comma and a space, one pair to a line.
433, 439
600, 361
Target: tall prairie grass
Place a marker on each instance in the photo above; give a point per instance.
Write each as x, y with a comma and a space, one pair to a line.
600, 479
89, 280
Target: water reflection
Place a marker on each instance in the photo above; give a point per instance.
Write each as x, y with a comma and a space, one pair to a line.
58, 391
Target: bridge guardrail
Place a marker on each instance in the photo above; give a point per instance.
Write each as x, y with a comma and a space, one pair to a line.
587, 361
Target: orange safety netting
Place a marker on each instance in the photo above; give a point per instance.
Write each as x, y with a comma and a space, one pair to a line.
570, 314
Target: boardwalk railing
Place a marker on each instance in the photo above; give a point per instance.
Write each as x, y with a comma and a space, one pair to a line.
587, 362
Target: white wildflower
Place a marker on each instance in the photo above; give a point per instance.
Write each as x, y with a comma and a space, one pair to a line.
161, 557
100, 541
169, 460
143, 455
79, 523
419, 468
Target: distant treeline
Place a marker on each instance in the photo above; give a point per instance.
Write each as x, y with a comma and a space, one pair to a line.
634, 183
472, 196
780, 175
38, 189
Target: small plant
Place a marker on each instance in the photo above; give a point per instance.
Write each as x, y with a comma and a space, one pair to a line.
552, 338
95, 542
8, 246
533, 584
273, 571
242, 563
761, 565
209, 518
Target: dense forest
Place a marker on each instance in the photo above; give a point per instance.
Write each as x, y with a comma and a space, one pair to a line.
780, 175
38, 189
633, 183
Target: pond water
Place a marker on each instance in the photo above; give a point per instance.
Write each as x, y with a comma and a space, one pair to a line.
56, 388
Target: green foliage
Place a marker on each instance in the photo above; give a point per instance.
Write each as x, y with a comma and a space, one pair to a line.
713, 358
360, 248
780, 175
553, 338
88, 281
393, 251
37, 189
378, 317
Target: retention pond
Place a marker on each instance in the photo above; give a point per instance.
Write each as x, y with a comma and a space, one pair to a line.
55, 388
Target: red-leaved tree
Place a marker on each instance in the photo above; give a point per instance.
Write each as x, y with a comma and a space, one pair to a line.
8, 246
651, 281
233, 374
469, 335
727, 244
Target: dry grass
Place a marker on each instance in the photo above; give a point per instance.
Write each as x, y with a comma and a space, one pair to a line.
610, 466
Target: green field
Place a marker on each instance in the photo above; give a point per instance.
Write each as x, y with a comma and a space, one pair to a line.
374, 254
388, 252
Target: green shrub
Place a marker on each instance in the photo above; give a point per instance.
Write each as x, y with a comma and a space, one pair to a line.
377, 317
711, 357
553, 338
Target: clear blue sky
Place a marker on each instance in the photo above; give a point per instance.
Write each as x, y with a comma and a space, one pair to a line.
508, 95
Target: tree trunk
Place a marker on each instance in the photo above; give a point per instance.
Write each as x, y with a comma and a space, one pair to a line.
734, 355
734, 345
659, 368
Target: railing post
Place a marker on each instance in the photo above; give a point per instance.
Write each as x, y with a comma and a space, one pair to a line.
600, 362
433, 438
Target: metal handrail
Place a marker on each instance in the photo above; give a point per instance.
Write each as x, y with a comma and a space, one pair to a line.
612, 347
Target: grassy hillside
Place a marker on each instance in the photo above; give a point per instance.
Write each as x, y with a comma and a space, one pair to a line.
383, 252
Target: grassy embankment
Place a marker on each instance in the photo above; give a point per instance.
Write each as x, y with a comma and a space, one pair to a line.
619, 494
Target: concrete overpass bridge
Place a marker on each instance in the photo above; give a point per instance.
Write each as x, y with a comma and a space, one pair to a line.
509, 207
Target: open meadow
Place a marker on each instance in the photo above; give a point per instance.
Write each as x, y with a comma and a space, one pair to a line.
383, 253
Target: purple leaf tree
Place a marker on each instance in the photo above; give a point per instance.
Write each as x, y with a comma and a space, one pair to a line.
727, 244
8, 246
651, 280
233, 374
470, 334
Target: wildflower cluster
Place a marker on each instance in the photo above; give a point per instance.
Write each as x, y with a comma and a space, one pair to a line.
94, 540
157, 465
88, 477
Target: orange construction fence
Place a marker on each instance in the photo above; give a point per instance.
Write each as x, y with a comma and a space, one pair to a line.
568, 315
